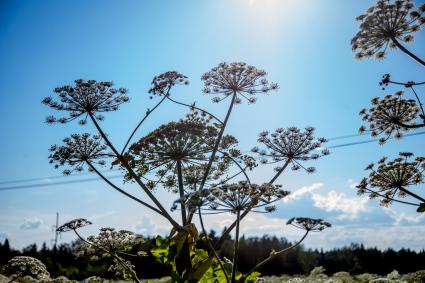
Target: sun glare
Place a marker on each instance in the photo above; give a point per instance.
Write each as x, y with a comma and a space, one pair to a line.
274, 11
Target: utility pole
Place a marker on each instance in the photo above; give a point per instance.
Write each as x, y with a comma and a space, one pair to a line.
54, 228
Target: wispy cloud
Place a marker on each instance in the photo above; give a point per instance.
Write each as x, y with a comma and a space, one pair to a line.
31, 223
401, 218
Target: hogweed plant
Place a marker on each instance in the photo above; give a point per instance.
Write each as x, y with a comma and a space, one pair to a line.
394, 178
108, 244
20, 266
386, 25
192, 158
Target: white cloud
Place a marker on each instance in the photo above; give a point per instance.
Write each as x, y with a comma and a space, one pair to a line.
31, 223
150, 224
339, 202
297, 194
400, 217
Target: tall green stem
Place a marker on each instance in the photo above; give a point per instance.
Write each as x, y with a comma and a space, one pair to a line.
272, 255
141, 122
133, 174
181, 191
217, 143
122, 191
405, 50
236, 248
280, 171
412, 194
210, 245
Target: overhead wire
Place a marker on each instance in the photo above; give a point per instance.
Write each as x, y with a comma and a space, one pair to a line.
45, 184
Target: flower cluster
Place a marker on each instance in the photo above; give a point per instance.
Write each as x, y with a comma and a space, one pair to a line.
237, 197
291, 145
162, 83
109, 242
309, 224
113, 245
73, 225
238, 79
187, 142
85, 97
78, 150
391, 115
384, 24
21, 266
393, 177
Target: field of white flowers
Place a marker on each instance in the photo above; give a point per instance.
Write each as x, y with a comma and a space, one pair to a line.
317, 275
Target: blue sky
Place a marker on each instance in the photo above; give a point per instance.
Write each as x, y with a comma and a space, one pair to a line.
302, 44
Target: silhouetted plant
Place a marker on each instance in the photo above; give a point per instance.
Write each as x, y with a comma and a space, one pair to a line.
387, 24
290, 146
191, 157
391, 116
394, 179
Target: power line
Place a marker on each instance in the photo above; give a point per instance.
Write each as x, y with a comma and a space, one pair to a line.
118, 176
55, 183
51, 177
373, 140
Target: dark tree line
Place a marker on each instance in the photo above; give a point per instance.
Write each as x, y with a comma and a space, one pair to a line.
355, 258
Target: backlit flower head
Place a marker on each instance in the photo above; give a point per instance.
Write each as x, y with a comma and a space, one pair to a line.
110, 240
163, 83
26, 266
189, 142
291, 145
388, 116
309, 224
77, 150
73, 225
238, 197
236, 78
391, 178
385, 23
112, 244
83, 98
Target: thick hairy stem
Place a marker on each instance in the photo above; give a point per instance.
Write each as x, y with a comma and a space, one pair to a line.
405, 50
122, 191
120, 261
217, 143
280, 171
272, 255
181, 192
134, 176
141, 122
236, 248
412, 194
212, 250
